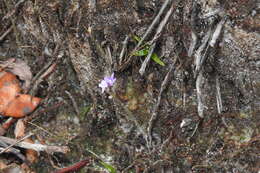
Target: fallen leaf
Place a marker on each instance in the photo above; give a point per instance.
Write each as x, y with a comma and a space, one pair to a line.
21, 105
31, 155
12, 103
9, 88
19, 130
21, 69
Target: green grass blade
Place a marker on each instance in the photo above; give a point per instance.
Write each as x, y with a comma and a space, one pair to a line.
156, 59
108, 167
142, 52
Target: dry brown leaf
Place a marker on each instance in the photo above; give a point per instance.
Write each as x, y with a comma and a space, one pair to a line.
19, 130
31, 155
20, 68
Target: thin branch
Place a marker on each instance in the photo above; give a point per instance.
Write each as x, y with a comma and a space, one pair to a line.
17, 141
194, 37
74, 103
6, 125
156, 107
6, 33
199, 59
199, 95
155, 21
12, 150
13, 11
147, 59
217, 32
45, 71
166, 142
75, 167
109, 59
156, 36
36, 147
194, 40
122, 53
218, 96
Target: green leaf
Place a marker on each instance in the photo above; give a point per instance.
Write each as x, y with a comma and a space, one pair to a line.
108, 167
156, 59
145, 51
136, 38
142, 52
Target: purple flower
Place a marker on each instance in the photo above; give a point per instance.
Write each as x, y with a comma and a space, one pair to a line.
108, 81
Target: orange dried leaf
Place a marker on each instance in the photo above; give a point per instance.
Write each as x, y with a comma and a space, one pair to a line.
9, 84
22, 105
12, 103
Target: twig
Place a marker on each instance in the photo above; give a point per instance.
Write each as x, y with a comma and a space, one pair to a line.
75, 167
217, 32
163, 23
208, 40
147, 59
122, 53
166, 141
155, 21
36, 147
129, 167
6, 125
41, 128
156, 36
74, 103
194, 39
156, 107
199, 60
15, 143
16, 6
195, 129
199, 95
218, 96
12, 150
45, 71
109, 59
6, 33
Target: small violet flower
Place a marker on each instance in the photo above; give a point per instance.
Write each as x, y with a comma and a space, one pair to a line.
107, 82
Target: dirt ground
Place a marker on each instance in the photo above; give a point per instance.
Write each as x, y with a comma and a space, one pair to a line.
192, 107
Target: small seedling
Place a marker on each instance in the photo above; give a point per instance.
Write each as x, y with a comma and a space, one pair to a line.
145, 51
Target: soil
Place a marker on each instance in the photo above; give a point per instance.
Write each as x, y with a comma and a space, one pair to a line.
170, 119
